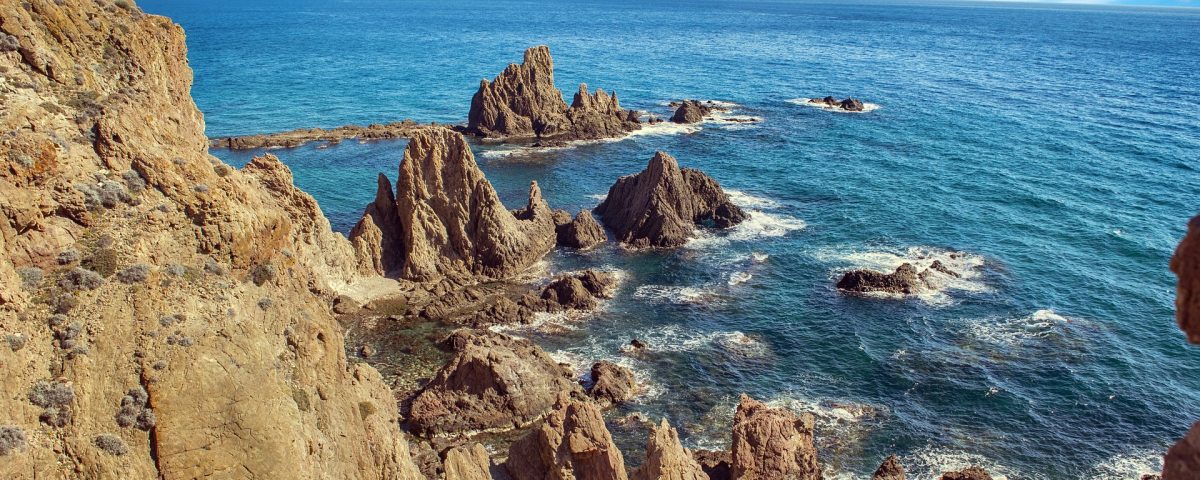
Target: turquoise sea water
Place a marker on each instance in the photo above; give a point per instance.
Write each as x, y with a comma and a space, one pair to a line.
1057, 148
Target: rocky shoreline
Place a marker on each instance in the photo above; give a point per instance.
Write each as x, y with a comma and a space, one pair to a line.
169, 316
329, 137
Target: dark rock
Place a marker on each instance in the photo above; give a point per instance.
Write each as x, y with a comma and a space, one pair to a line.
366, 351
851, 105
890, 469
572, 292
661, 206
969, 473
582, 233
344, 305
691, 111
937, 266
638, 344
1186, 265
612, 383
715, 463
1182, 460
904, 280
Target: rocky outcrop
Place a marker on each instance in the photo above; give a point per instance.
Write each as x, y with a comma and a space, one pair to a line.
666, 459
904, 281
467, 462
446, 221
691, 111
493, 383
714, 463
848, 104
969, 473
890, 469
572, 443
662, 205
772, 443
1186, 265
611, 383
522, 102
1182, 460
578, 291
583, 232
333, 136
106, 164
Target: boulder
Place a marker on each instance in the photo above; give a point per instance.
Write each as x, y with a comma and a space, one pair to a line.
666, 459
660, 206
772, 443
903, 281
523, 102
851, 105
447, 221
583, 232
969, 473
493, 383
611, 383
572, 443
1186, 265
890, 469
579, 291
691, 111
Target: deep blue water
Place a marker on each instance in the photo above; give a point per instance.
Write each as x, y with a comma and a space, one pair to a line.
1055, 147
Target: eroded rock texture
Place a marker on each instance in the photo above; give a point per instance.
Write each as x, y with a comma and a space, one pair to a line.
493, 383
663, 204
467, 462
445, 221
1186, 265
772, 443
611, 383
890, 469
969, 473
1183, 459
522, 102
582, 232
106, 170
691, 111
666, 459
572, 443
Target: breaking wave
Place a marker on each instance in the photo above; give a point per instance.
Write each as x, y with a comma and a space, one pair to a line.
968, 266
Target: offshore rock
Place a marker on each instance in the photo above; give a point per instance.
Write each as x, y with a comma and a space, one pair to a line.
969, 473
523, 102
572, 443
660, 206
666, 459
583, 232
890, 469
450, 221
1186, 265
691, 111
772, 443
903, 281
611, 383
579, 291
493, 383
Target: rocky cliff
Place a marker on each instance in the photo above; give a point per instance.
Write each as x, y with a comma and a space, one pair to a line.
662, 205
172, 312
522, 102
445, 221
1182, 460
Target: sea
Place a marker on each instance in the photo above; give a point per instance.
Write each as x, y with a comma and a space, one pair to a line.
1048, 153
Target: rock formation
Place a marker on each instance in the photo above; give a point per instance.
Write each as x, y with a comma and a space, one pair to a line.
714, 463
522, 102
493, 383
583, 232
301, 136
450, 222
691, 111
905, 280
969, 473
661, 206
848, 104
890, 469
611, 383
106, 169
772, 443
1186, 265
572, 443
1182, 460
468, 462
666, 459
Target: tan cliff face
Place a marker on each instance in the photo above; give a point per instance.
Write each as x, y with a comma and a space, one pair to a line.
162, 269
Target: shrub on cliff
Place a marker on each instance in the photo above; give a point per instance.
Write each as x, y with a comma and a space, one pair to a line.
103, 261
262, 273
31, 277
80, 279
11, 438
67, 257
111, 444
55, 398
135, 410
17, 341
134, 274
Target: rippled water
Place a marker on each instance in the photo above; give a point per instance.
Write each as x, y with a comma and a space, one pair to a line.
1051, 150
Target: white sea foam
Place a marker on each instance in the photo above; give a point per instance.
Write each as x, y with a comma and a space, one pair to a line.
580, 362
931, 462
599, 197
759, 225
1015, 331
738, 278
807, 102
968, 266
746, 200
678, 338
1128, 466
680, 295
759, 257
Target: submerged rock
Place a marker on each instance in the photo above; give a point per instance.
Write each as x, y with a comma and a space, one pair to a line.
772, 443
612, 383
969, 473
662, 205
890, 469
523, 102
1186, 265
493, 383
447, 221
666, 459
582, 233
691, 111
572, 443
